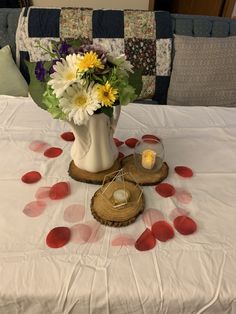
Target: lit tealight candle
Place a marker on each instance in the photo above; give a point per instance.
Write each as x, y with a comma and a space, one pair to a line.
148, 159
121, 196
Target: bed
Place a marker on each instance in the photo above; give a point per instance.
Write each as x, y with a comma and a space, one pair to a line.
188, 274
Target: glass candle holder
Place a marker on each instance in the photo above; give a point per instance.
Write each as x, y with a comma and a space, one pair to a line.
149, 155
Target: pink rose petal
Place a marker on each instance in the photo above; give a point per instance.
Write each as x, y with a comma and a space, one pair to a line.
38, 146
151, 215
123, 240
183, 196
34, 209
43, 192
177, 212
74, 213
80, 233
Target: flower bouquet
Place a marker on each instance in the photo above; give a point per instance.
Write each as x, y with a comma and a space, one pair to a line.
79, 83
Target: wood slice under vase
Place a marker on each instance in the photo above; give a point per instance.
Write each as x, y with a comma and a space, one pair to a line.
142, 177
102, 204
91, 177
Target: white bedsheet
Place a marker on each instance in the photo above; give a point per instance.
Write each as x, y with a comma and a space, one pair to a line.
189, 274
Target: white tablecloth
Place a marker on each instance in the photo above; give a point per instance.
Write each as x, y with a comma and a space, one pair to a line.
188, 274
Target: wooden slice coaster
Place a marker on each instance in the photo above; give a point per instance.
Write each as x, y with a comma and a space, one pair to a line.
102, 204
140, 176
91, 177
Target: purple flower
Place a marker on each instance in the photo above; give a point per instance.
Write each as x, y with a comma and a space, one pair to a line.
64, 49
40, 71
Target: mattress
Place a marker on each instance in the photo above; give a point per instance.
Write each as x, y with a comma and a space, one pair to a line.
188, 274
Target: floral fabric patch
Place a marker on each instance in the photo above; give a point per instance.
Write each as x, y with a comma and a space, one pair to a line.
142, 54
148, 88
139, 24
163, 56
75, 23
113, 45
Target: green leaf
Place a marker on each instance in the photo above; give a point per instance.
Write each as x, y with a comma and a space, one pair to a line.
107, 110
135, 80
36, 88
52, 104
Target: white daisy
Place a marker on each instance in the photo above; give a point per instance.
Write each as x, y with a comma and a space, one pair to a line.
65, 74
79, 102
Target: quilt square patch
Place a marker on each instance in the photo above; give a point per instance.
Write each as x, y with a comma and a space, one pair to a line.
44, 22
163, 24
139, 24
161, 88
163, 56
108, 24
142, 54
69, 23
148, 89
112, 45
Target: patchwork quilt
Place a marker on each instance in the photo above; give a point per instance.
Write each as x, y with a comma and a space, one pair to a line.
145, 37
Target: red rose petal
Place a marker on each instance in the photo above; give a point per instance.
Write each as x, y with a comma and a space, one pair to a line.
131, 142
149, 138
185, 225
53, 152
162, 231
165, 189
117, 142
123, 240
31, 177
34, 209
184, 172
68, 136
121, 155
58, 237
59, 190
146, 241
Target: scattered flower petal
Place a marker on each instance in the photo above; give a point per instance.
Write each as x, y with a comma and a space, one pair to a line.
146, 241
53, 152
68, 136
151, 215
59, 190
183, 196
34, 209
80, 233
185, 225
165, 189
42, 192
131, 142
31, 177
149, 138
123, 240
121, 155
98, 231
117, 142
177, 212
74, 213
184, 172
38, 146
162, 231
58, 237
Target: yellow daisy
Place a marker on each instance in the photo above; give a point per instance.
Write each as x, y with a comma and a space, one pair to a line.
107, 95
90, 60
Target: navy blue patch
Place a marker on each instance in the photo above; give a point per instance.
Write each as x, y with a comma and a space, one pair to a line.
161, 89
163, 24
44, 22
24, 55
108, 24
